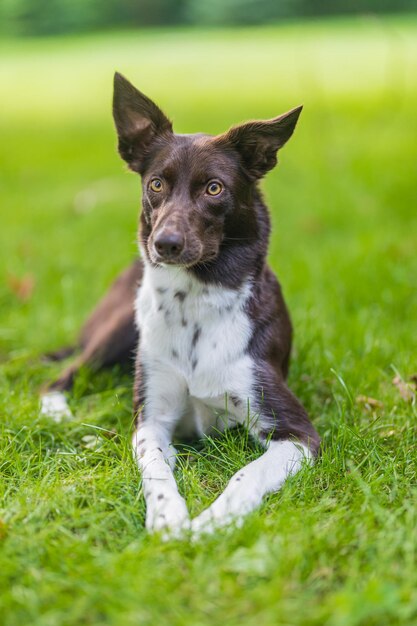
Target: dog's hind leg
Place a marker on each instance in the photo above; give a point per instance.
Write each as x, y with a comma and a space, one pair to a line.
109, 336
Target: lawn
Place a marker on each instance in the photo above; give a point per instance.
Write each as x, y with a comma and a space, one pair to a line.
338, 545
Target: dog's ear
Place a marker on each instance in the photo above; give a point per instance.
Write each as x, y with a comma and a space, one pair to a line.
138, 122
258, 142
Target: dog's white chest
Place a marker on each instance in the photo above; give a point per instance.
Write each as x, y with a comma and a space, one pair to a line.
201, 331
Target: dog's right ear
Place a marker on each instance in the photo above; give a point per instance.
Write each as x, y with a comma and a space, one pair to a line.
138, 122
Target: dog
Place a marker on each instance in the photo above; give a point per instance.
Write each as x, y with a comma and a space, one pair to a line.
202, 309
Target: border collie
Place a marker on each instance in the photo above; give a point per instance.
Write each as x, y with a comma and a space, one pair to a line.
201, 309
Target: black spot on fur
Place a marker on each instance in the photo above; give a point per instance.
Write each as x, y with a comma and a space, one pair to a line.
194, 363
141, 441
161, 496
181, 295
174, 353
159, 449
196, 335
235, 400
161, 307
184, 322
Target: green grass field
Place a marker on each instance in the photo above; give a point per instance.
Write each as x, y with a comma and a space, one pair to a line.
338, 546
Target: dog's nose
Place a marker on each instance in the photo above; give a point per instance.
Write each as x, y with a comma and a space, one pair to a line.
169, 244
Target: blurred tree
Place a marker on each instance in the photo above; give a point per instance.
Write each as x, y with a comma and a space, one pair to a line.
241, 11
41, 17
261, 11
44, 17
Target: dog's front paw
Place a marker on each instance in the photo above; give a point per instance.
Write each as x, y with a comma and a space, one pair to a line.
210, 520
230, 508
167, 514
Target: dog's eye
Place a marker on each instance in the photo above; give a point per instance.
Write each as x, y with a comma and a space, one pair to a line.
214, 188
156, 185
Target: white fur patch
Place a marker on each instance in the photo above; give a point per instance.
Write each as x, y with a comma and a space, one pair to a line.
54, 405
193, 341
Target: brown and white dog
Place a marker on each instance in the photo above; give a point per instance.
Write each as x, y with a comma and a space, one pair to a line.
202, 309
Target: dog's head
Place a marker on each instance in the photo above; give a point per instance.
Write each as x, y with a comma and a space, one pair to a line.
197, 189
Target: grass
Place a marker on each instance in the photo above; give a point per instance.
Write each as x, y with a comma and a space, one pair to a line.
338, 545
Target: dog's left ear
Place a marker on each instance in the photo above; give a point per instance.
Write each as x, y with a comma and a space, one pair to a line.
138, 122
258, 142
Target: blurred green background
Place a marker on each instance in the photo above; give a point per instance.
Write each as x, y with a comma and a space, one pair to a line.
337, 546
343, 198
40, 17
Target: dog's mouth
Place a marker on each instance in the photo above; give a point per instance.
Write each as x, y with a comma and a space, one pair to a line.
182, 260
162, 262
185, 264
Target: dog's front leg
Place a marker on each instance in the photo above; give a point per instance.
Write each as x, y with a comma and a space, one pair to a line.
165, 507
249, 485
162, 398
289, 437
